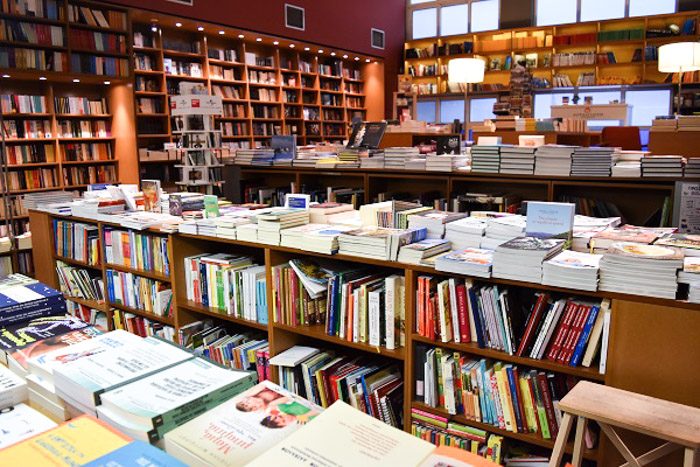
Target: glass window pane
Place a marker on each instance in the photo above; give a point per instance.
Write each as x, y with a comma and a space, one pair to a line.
484, 15
425, 23
451, 109
594, 10
481, 109
454, 20
544, 103
426, 111
648, 104
556, 12
649, 7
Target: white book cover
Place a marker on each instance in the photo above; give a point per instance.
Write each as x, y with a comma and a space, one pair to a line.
242, 428
20, 422
118, 359
343, 436
13, 389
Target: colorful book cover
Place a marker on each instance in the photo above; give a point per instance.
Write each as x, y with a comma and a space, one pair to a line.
576, 260
40, 347
550, 220
20, 422
637, 250
20, 335
136, 453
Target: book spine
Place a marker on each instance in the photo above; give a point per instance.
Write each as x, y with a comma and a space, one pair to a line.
462, 313
547, 402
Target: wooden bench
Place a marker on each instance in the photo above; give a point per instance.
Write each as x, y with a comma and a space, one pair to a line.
678, 425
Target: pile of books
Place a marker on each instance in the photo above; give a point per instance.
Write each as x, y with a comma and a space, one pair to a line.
518, 160
465, 233
592, 162
378, 242
486, 159
663, 166
444, 162
688, 123
271, 224
628, 164
319, 238
374, 161
502, 229
259, 156
423, 251
521, 258
639, 269
572, 270
226, 226
692, 167
552, 159
434, 221
469, 261
395, 158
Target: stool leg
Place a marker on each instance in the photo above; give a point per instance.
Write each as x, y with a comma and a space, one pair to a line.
562, 437
690, 459
578, 441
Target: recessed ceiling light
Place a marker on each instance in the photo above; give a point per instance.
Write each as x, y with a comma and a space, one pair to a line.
357, 59
307, 48
345, 55
258, 39
367, 60
178, 24
108, 82
200, 28
276, 43
320, 51
240, 36
332, 54
222, 32
42, 78
376, 62
5, 76
291, 46
76, 80
154, 28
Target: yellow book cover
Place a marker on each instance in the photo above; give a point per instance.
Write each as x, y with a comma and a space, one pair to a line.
527, 404
503, 393
76, 442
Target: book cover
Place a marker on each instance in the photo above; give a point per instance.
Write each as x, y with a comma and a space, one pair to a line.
242, 428
20, 422
576, 260
136, 453
640, 251
530, 244
21, 335
476, 256
550, 220
36, 349
151, 195
680, 240
13, 389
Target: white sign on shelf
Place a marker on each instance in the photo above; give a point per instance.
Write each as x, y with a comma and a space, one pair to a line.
195, 104
620, 112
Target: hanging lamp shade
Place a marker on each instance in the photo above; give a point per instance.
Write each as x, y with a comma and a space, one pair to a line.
679, 57
466, 70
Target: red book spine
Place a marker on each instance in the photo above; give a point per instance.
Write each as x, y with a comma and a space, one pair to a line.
562, 329
534, 320
568, 349
548, 406
464, 334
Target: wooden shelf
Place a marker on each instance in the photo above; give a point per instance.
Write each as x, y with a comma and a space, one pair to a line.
32, 19
177, 53
219, 314
31, 165
100, 162
144, 314
96, 138
84, 117
138, 272
85, 302
31, 45
100, 53
39, 116
97, 28
77, 263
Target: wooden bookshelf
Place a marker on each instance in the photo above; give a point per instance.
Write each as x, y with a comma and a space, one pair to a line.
506, 44
647, 371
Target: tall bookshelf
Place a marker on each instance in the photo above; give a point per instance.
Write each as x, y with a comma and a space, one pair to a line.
632, 65
639, 358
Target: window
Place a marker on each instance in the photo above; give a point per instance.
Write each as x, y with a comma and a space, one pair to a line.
294, 17
426, 111
416, 2
454, 20
425, 23
485, 15
377, 38
646, 105
594, 10
481, 109
556, 12
451, 109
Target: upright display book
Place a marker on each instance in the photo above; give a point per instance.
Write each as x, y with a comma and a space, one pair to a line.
152, 406
285, 147
550, 220
76, 442
20, 422
116, 359
447, 145
367, 135
241, 429
136, 453
344, 436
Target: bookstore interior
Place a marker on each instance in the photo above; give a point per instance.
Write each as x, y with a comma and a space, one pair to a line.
369, 233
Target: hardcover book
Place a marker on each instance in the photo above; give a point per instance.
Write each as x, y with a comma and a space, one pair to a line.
20, 422
550, 220
24, 301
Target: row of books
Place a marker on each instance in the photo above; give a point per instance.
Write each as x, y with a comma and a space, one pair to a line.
26, 129
98, 65
143, 62
22, 103
103, 42
32, 179
518, 400
141, 326
83, 128
76, 105
92, 316
233, 285
47, 9
79, 282
77, 241
33, 59
139, 293
31, 33
87, 152
223, 73
88, 175
323, 377
226, 55
97, 17
228, 92
137, 250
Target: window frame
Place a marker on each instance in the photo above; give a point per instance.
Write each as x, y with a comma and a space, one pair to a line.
439, 4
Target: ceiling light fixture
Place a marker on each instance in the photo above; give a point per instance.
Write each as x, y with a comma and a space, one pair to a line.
222, 32
345, 55
258, 39
42, 78
332, 54
291, 46
357, 59
76, 80
178, 24
320, 51
276, 43
154, 28
240, 36
200, 28
367, 60
108, 82
307, 48
5, 76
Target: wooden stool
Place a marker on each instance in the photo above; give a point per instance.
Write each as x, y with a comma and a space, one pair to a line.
678, 425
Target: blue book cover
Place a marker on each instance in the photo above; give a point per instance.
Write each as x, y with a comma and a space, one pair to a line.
284, 146
136, 453
550, 220
513, 386
477, 317
581, 345
203, 283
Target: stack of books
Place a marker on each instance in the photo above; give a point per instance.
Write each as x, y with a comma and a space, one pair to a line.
375, 161
592, 162
689, 123
572, 270
324, 213
521, 258
602, 240
444, 162
641, 269
518, 160
272, 223
469, 261
395, 158
502, 229
663, 166
692, 167
486, 159
418, 252
434, 221
226, 225
319, 238
260, 156
378, 242
552, 159
415, 163
19, 422
465, 233
628, 164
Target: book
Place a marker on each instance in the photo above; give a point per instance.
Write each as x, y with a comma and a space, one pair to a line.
13, 389
242, 428
154, 405
469, 261
550, 220
22, 300
136, 453
341, 435
76, 442
20, 422
151, 195
21, 335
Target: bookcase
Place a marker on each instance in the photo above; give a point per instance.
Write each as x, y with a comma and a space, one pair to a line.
598, 53
639, 355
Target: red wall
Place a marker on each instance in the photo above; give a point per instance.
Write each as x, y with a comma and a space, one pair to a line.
332, 23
